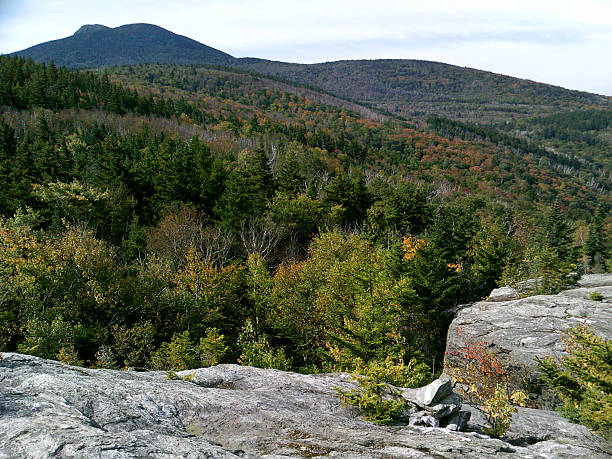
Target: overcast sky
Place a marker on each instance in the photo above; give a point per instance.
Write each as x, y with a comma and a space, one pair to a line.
562, 42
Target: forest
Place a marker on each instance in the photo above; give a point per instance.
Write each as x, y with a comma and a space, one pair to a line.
172, 217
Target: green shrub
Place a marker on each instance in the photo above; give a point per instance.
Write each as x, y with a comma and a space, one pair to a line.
177, 355
212, 348
257, 351
182, 354
546, 272
583, 379
69, 355
133, 345
46, 339
375, 397
378, 401
414, 374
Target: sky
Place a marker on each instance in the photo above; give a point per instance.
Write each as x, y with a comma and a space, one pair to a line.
562, 42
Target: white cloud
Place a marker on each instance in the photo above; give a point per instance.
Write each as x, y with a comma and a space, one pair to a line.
555, 41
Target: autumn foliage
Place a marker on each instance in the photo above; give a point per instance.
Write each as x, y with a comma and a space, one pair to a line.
486, 383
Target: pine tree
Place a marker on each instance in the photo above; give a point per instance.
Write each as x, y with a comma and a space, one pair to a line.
289, 177
351, 193
557, 232
259, 168
595, 247
248, 189
7, 154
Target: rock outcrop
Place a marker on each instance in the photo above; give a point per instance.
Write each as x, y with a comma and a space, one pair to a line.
521, 329
436, 405
51, 409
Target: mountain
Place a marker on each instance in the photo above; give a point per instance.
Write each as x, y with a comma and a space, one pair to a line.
98, 45
573, 129
419, 89
439, 149
401, 87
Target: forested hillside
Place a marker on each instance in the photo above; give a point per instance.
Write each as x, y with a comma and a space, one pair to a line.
402, 87
568, 130
169, 217
419, 89
441, 151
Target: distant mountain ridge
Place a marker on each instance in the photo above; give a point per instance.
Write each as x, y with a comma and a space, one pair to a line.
419, 88
95, 45
400, 87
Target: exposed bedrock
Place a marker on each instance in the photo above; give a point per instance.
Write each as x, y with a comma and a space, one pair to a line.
520, 329
51, 409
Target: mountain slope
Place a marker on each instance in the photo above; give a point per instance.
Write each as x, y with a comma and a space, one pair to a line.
519, 110
419, 89
97, 45
406, 88
245, 110
498, 165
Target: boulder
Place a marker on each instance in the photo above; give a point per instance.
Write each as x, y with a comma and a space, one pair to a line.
433, 404
539, 430
49, 409
430, 394
503, 294
423, 419
445, 407
519, 330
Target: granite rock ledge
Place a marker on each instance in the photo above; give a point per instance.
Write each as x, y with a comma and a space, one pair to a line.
520, 329
49, 409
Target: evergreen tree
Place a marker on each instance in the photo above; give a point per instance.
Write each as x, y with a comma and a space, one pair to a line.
259, 168
289, 178
248, 189
453, 227
596, 245
557, 232
7, 155
351, 193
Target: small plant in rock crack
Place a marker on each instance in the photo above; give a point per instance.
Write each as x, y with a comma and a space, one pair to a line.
487, 384
596, 296
172, 376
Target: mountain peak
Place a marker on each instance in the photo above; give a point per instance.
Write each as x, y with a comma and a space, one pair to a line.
88, 28
96, 45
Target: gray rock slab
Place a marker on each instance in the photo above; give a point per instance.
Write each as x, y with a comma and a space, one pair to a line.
503, 294
431, 394
594, 280
48, 409
538, 428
